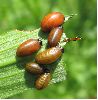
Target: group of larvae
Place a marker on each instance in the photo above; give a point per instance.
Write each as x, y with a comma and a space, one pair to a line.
51, 24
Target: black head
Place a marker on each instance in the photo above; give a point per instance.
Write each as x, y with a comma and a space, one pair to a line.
40, 41
46, 70
61, 26
62, 49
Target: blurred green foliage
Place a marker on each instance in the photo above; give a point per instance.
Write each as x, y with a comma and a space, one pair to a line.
80, 56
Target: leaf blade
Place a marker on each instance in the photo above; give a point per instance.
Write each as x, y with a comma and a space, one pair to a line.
13, 77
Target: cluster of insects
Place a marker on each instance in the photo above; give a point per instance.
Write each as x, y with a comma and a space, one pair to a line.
52, 24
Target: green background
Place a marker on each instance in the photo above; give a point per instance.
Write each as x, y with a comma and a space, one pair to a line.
80, 56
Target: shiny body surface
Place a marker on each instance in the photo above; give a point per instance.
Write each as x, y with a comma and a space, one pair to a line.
49, 56
34, 68
43, 81
52, 20
55, 36
28, 47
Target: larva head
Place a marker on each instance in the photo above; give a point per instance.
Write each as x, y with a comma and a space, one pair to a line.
40, 41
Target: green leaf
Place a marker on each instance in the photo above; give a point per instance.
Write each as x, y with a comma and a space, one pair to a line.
13, 77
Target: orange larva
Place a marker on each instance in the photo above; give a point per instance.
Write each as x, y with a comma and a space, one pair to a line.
72, 39
49, 56
55, 36
43, 81
52, 20
34, 68
28, 47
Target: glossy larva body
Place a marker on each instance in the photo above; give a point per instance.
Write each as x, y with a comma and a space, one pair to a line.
43, 81
28, 47
49, 55
52, 20
34, 68
55, 36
